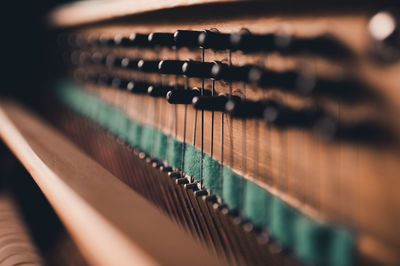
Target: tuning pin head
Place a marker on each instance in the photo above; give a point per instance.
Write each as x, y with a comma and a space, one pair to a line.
384, 29
105, 41
171, 67
215, 40
248, 42
148, 66
161, 39
197, 69
137, 87
90, 77
113, 61
134, 40
119, 83
129, 63
104, 80
187, 38
271, 79
231, 73
158, 90
182, 96
98, 59
210, 103
241, 108
283, 116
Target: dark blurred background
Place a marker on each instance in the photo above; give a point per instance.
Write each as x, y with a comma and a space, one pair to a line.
25, 54
28, 65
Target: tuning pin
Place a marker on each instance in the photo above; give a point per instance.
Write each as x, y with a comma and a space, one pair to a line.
231, 73
212, 103
105, 41
137, 87
134, 40
91, 40
245, 108
84, 58
104, 80
197, 69
166, 168
385, 34
68, 39
215, 40
119, 83
182, 96
187, 38
113, 61
162, 39
80, 40
158, 90
248, 42
281, 116
98, 59
324, 45
270, 79
366, 131
129, 63
149, 66
171, 67
74, 58
90, 77
338, 87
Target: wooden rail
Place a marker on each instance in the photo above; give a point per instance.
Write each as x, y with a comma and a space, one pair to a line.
110, 223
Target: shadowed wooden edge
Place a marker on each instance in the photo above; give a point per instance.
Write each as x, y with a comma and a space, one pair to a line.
92, 11
111, 224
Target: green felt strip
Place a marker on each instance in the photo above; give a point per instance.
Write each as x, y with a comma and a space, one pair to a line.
321, 244
119, 124
147, 138
174, 153
313, 242
257, 204
134, 134
192, 161
342, 248
211, 174
282, 222
160, 145
231, 188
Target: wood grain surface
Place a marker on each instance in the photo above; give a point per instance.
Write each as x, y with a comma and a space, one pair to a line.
111, 224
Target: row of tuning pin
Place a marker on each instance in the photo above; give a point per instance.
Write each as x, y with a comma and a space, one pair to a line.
272, 112
324, 45
298, 82
199, 208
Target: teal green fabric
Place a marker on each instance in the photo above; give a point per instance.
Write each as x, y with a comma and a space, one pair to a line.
192, 161
231, 188
211, 174
257, 204
342, 248
147, 139
119, 124
313, 242
321, 244
160, 145
174, 153
282, 222
134, 134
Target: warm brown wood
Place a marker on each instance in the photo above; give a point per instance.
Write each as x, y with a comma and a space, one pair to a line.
111, 224
93, 11
341, 182
16, 245
333, 181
